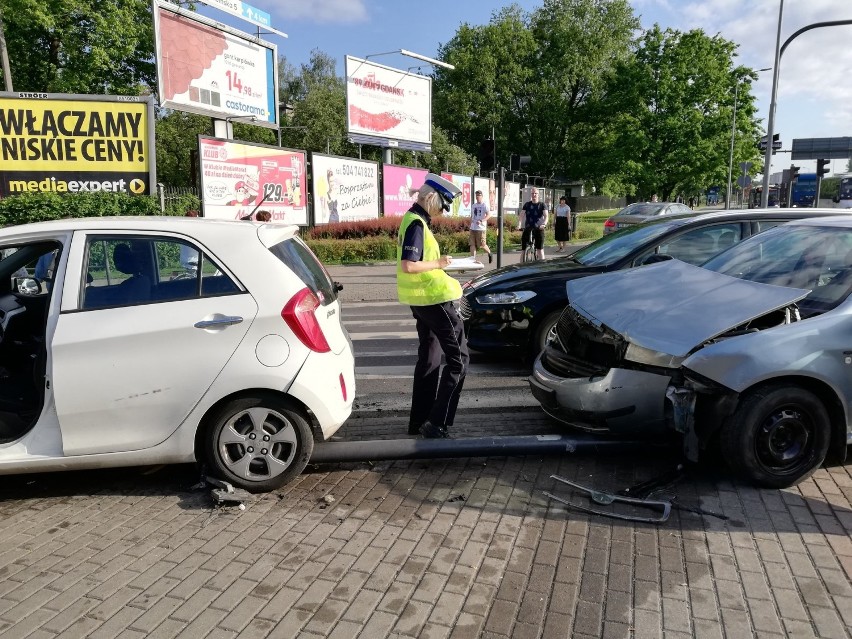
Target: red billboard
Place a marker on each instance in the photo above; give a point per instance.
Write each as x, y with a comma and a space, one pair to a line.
238, 178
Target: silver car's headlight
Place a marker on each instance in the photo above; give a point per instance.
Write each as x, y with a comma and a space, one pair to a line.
641, 355
510, 297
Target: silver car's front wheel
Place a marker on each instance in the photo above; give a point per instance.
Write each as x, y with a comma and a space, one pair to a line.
778, 436
258, 443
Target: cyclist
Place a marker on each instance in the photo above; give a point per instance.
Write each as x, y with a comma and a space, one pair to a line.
533, 219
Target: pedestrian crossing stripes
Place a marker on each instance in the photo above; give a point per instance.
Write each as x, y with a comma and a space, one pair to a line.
384, 338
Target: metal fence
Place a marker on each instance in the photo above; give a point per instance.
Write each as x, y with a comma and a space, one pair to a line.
170, 194
588, 203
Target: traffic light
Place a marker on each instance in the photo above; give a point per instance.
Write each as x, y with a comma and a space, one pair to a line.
822, 167
794, 173
516, 162
487, 154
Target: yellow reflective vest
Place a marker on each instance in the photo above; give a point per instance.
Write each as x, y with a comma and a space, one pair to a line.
431, 287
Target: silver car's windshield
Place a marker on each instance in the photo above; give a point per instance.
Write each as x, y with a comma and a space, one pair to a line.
810, 257
643, 209
611, 248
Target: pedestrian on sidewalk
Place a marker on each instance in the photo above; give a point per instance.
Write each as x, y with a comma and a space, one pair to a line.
432, 295
563, 223
479, 216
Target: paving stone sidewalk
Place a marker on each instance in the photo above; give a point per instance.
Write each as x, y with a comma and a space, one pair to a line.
462, 548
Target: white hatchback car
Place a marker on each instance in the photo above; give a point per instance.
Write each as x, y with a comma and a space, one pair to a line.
149, 340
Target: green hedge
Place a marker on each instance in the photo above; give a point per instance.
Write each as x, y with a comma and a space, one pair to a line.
367, 241
351, 243
38, 207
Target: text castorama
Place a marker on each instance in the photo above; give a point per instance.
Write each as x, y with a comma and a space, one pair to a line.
73, 145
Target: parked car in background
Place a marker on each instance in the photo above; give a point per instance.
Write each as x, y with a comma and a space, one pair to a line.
515, 308
639, 212
751, 350
166, 340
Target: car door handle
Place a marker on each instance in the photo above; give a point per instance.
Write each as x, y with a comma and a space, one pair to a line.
225, 320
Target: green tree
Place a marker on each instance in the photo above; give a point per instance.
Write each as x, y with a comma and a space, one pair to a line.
80, 46
671, 109
532, 78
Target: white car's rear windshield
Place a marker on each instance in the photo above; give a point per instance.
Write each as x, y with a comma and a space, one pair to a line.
301, 260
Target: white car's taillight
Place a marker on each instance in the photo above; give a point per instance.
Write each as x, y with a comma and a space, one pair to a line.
299, 315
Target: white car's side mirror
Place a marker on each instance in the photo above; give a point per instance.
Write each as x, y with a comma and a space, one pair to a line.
27, 286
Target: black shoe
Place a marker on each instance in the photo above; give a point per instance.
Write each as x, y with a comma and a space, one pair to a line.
413, 429
430, 431
490, 258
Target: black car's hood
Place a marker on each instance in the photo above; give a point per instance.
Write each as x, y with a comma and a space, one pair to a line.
674, 307
516, 274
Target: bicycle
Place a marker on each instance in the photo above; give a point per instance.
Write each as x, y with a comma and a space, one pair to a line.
530, 254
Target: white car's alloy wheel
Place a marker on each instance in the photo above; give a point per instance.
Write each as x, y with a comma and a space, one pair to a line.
259, 443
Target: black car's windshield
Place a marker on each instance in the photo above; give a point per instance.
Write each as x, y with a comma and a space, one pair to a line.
611, 248
810, 257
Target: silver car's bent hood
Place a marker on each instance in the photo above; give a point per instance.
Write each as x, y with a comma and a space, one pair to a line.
672, 307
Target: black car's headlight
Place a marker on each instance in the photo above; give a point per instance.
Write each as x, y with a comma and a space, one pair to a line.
509, 297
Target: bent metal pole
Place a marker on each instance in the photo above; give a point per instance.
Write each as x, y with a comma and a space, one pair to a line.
387, 449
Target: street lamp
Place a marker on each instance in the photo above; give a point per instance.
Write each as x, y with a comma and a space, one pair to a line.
733, 133
289, 128
416, 56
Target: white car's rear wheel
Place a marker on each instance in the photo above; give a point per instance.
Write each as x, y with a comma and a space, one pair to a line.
258, 443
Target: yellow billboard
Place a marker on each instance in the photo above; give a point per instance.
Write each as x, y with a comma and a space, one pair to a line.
73, 143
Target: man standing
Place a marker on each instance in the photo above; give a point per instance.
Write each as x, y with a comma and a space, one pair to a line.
432, 294
479, 216
533, 219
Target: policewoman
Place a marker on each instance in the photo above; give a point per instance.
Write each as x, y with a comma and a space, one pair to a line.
433, 295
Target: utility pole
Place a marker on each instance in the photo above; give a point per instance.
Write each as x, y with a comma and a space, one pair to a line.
4, 54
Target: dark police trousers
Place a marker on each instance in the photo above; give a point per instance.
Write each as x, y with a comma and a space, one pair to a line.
436, 393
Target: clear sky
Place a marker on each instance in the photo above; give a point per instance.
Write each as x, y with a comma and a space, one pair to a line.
815, 83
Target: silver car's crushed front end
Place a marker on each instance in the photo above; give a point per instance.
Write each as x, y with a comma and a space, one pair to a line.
582, 379
591, 378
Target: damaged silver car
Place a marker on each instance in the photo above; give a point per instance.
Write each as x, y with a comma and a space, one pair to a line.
752, 351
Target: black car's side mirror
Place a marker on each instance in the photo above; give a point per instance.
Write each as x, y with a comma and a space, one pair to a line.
338, 287
656, 257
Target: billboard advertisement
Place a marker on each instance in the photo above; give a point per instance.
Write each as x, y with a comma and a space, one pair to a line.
462, 204
396, 181
345, 190
512, 196
239, 177
388, 107
73, 143
207, 68
489, 192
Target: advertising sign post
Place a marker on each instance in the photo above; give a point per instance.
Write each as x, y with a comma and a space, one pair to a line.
62, 143
388, 107
396, 182
345, 189
239, 177
207, 68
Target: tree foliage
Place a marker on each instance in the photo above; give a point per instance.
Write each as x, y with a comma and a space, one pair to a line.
80, 46
531, 77
671, 115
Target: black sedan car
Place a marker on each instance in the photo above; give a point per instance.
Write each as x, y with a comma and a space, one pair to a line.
515, 308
